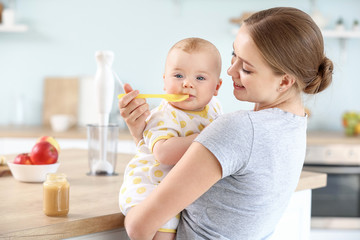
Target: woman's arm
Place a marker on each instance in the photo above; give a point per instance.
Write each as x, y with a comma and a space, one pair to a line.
169, 151
192, 176
134, 111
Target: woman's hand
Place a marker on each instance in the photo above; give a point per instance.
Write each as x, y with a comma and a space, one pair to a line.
134, 111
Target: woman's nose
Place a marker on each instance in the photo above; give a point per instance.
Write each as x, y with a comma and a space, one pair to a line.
233, 70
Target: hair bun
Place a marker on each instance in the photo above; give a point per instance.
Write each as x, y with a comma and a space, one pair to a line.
323, 78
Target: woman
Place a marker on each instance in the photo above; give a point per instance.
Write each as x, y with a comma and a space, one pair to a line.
237, 177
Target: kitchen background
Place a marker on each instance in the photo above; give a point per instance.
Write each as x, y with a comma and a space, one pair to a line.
63, 36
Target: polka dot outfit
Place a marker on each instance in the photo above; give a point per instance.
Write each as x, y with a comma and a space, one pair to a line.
143, 173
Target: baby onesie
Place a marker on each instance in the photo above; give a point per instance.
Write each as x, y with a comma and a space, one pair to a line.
143, 173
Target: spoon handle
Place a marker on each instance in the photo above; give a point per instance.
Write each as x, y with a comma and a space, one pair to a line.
169, 97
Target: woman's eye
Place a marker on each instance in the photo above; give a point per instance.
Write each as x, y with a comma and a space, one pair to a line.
245, 71
200, 78
178, 76
233, 54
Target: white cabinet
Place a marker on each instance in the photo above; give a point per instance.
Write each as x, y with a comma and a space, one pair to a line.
295, 223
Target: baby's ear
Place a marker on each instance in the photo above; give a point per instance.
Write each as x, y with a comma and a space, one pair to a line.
164, 82
218, 85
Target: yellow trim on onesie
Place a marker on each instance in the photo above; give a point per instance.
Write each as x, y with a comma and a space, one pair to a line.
157, 139
167, 230
202, 113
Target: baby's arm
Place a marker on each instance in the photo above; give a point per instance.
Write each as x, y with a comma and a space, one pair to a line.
169, 151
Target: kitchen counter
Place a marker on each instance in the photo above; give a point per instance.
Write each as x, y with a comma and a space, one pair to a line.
93, 201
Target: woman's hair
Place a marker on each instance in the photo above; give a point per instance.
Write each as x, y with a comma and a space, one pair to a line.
291, 42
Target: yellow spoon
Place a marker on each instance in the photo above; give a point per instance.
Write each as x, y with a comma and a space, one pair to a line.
168, 97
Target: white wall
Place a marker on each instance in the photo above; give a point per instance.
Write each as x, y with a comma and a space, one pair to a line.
63, 36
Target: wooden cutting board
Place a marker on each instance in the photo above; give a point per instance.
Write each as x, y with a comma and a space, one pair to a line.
61, 96
4, 170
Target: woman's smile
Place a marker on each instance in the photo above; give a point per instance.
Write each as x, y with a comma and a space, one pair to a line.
238, 86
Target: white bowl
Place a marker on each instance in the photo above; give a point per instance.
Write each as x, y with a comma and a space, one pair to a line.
32, 173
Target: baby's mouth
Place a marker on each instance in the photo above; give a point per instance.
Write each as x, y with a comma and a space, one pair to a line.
190, 95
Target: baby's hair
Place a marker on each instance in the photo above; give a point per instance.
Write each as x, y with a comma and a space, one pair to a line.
194, 44
292, 43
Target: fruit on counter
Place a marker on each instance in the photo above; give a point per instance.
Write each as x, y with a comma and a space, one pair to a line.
44, 153
51, 140
357, 129
23, 158
351, 123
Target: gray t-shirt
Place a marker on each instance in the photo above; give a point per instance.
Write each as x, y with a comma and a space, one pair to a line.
261, 154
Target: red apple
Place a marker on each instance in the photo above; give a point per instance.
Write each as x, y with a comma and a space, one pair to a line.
43, 153
50, 140
23, 158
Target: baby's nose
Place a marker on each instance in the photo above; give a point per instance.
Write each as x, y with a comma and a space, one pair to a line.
187, 83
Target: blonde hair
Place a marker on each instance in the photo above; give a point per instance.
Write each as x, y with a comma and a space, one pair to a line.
291, 42
193, 44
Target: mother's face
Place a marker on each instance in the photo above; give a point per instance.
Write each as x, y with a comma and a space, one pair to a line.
254, 80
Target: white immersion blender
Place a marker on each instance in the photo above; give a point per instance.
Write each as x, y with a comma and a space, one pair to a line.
104, 92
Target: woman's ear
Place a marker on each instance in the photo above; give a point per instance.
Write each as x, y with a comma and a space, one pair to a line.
286, 82
218, 85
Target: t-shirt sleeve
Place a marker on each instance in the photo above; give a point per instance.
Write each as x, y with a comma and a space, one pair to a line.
230, 139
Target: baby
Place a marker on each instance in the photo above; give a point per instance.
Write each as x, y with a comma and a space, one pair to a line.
192, 67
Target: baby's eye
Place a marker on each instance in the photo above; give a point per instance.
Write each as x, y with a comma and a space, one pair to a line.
178, 76
200, 78
233, 54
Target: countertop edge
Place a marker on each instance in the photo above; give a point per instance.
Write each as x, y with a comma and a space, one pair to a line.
70, 229
311, 180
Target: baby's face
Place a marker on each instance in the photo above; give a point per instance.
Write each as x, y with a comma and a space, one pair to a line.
196, 74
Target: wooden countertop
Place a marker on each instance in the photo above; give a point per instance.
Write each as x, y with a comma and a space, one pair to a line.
93, 201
